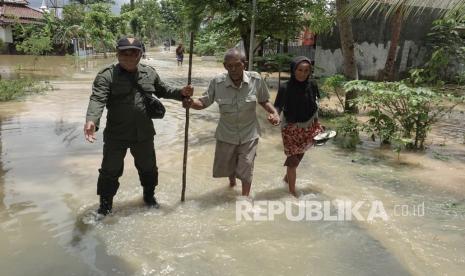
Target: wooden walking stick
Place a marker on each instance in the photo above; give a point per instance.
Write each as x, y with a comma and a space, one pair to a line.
186, 128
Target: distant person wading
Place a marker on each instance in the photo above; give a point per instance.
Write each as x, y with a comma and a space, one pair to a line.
180, 54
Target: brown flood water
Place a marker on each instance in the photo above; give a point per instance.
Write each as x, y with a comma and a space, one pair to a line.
48, 182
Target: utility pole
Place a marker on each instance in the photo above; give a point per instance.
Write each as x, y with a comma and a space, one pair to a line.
252, 34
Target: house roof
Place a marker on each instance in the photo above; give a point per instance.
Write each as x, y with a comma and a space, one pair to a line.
13, 11
20, 2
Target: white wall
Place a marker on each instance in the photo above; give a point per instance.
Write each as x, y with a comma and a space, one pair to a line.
370, 58
5, 34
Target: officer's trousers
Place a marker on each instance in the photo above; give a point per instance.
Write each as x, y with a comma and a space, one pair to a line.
113, 165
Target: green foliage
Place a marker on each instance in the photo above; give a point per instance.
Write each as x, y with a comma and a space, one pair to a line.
397, 111
35, 39
348, 129
144, 20
54, 34
73, 14
101, 26
281, 19
399, 144
177, 18
35, 45
334, 85
447, 49
321, 16
380, 125
214, 39
274, 63
14, 89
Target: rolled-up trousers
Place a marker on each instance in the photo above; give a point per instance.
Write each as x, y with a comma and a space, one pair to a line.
113, 165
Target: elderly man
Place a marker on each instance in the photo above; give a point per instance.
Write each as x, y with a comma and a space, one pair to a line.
120, 88
237, 93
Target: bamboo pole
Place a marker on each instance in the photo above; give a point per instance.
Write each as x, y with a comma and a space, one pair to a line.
186, 128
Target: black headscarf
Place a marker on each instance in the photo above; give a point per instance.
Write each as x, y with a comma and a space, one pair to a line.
297, 99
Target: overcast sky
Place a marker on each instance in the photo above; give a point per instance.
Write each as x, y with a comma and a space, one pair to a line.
115, 8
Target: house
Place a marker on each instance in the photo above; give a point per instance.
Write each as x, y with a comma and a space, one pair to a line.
13, 12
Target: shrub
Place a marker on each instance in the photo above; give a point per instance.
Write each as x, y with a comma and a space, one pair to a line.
398, 111
347, 128
334, 85
13, 89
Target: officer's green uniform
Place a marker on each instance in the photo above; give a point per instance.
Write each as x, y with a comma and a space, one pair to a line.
128, 125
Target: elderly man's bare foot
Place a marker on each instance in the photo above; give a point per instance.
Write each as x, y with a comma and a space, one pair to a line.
293, 193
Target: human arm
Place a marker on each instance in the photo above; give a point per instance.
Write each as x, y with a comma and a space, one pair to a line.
163, 90
273, 115
97, 102
208, 97
317, 97
196, 104
280, 100
263, 97
89, 131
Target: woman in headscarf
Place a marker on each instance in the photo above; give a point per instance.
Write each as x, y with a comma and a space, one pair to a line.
297, 100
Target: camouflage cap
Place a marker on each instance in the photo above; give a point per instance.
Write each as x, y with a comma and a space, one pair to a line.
129, 43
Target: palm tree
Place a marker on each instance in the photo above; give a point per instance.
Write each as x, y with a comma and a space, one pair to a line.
348, 50
347, 40
398, 11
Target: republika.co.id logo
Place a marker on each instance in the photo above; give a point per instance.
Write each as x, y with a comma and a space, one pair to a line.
314, 210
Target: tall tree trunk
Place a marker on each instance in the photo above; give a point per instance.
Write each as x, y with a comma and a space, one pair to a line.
132, 5
348, 52
246, 40
286, 46
347, 41
396, 28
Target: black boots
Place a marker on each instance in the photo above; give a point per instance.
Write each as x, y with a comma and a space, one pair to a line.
149, 198
106, 203
150, 201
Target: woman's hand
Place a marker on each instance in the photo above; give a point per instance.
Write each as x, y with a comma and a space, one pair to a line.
274, 119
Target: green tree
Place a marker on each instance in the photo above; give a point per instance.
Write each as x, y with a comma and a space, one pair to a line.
35, 40
101, 26
175, 18
281, 19
144, 19
35, 45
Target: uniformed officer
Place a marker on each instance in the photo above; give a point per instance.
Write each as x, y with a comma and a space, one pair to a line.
118, 87
237, 93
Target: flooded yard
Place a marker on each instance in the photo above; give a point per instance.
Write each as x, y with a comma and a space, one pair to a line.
48, 177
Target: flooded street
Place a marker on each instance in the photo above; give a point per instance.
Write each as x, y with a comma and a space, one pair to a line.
48, 177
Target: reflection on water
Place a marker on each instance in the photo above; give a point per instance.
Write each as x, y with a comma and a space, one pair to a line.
47, 67
47, 187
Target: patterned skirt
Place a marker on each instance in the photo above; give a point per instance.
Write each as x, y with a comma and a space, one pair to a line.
297, 140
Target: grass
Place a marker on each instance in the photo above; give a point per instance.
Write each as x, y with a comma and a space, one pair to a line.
15, 89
